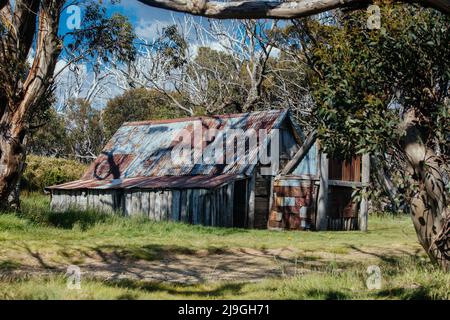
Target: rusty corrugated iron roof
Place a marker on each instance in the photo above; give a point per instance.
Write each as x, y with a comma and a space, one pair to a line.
143, 149
166, 182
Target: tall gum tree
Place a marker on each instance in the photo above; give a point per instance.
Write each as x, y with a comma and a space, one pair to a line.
29, 30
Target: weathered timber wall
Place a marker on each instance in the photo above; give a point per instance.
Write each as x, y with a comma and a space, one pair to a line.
101, 200
211, 207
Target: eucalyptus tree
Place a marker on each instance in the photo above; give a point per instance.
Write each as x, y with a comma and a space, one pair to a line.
386, 92
31, 45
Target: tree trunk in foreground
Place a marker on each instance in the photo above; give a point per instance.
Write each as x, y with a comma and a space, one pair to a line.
12, 157
258, 9
429, 208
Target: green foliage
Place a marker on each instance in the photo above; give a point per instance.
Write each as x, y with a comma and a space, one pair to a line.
102, 36
75, 134
137, 105
50, 139
43, 172
364, 80
173, 47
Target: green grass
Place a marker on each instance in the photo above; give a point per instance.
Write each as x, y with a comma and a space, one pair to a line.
37, 237
409, 281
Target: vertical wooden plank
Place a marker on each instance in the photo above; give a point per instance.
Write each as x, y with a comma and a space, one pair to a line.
346, 170
218, 209
207, 208
101, 201
183, 206
176, 205
321, 221
54, 200
169, 205
137, 203
165, 211
164, 206
203, 207
127, 198
157, 205
83, 200
230, 204
365, 179
189, 206
213, 208
144, 203
151, 206
251, 201
200, 207
225, 206
221, 207
271, 197
195, 200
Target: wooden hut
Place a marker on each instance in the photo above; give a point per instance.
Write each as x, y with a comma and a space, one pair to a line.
136, 175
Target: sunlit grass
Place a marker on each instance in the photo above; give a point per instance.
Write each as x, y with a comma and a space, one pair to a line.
67, 238
408, 281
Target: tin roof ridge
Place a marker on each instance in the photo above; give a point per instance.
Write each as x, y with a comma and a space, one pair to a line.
199, 118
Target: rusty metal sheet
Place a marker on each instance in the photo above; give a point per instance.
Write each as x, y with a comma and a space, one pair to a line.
165, 182
144, 149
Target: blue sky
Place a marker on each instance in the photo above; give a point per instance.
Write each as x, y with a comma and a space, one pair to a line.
146, 19
147, 22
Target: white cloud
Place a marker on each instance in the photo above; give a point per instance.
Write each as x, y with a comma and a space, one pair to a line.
275, 53
149, 30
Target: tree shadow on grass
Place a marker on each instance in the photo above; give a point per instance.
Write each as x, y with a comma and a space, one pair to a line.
151, 252
37, 256
9, 265
83, 219
322, 294
179, 290
392, 260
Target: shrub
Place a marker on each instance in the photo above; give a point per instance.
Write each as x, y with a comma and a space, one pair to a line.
42, 172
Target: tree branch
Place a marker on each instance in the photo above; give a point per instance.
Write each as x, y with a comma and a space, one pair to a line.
253, 9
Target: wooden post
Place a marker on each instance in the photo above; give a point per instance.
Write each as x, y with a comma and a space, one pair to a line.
322, 219
364, 207
251, 201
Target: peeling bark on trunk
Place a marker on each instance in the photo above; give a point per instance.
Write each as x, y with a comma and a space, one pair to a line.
33, 24
429, 207
258, 9
12, 157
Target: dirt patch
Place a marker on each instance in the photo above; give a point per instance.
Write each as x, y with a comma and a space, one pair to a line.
202, 266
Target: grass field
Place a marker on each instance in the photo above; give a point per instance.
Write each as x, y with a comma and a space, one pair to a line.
123, 258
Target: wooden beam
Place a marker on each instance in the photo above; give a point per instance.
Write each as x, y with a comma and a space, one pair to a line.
364, 207
349, 184
322, 202
301, 153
